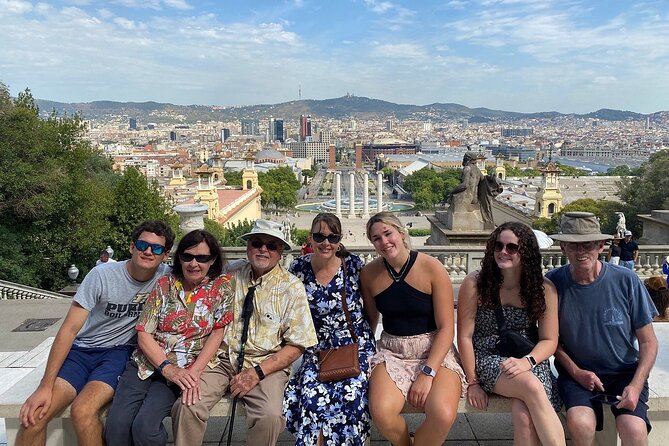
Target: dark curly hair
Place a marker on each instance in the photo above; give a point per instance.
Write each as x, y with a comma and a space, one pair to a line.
490, 278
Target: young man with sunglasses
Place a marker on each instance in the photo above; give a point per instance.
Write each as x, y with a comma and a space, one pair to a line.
279, 329
96, 339
603, 309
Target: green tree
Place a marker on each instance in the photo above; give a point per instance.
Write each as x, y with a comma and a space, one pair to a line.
603, 209
233, 177
232, 233
53, 199
279, 188
135, 200
648, 191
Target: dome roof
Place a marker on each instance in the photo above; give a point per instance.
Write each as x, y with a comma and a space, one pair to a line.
267, 154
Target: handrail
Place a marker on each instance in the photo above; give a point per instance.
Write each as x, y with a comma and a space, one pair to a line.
11, 290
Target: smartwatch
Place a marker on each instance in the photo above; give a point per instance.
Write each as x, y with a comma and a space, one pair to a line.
428, 371
259, 371
162, 365
533, 362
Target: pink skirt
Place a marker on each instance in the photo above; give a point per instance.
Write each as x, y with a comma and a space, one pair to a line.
403, 356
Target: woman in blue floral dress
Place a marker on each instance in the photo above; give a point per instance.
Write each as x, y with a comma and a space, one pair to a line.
334, 413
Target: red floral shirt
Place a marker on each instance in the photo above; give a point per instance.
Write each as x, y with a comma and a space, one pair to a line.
180, 321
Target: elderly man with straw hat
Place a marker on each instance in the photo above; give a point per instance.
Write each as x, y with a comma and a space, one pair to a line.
272, 326
603, 309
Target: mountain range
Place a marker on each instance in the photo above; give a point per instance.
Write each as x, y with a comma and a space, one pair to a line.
349, 106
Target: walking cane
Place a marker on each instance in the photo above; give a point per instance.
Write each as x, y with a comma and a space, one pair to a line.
246, 317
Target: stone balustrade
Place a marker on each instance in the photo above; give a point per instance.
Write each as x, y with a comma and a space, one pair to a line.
457, 260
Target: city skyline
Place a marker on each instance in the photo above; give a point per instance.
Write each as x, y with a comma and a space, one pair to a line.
527, 56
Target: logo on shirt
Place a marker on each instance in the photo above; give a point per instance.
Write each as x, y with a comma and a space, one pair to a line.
613, 316
132, 309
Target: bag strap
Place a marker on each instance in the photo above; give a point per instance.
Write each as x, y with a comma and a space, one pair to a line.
499, 315
345, 306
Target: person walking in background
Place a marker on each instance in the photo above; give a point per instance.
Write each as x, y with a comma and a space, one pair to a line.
416, 361
179, 332
511, 280
279, 329
613, 256
104, 258
603, 311
629, 251
96, 339
330, 274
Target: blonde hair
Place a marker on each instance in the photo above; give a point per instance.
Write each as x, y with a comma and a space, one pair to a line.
390, 219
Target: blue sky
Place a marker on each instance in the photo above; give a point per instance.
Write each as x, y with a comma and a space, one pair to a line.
518, 55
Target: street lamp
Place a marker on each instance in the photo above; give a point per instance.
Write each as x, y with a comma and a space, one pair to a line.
73, 273
110, 251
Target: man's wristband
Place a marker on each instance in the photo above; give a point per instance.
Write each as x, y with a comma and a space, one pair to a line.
261, 374
162, 365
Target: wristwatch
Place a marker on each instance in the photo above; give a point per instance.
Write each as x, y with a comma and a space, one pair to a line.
428, 371
533, 362
162, 365
259, 371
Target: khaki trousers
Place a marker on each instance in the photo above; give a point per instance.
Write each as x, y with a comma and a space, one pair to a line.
264, 408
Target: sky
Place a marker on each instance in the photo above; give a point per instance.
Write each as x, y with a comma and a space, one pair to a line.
571, 56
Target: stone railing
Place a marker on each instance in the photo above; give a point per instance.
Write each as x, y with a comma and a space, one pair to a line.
457, 260
461, 260
10, 290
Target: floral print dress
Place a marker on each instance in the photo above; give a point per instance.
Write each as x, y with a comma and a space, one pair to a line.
338, 409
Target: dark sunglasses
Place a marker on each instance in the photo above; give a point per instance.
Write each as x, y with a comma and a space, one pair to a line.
320, 238
271, 246
585, 246
202, 258
157, 249
511, 248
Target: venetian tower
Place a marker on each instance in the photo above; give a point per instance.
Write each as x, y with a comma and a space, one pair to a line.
249, 174
548, 197
206, 192
500, 170
177, 179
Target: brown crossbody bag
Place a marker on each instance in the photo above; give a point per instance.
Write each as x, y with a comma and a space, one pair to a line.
341, 362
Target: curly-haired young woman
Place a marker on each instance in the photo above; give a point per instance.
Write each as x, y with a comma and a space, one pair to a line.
511, 276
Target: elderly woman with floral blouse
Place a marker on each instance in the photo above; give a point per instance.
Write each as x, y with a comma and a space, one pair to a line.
179, 332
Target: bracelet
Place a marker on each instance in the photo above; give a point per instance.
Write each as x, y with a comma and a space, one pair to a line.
473, 382
162, 365
259, 371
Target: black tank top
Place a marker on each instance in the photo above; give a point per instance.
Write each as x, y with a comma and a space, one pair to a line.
406, 311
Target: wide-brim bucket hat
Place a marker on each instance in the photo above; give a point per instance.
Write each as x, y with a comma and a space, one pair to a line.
579, 227
267, 227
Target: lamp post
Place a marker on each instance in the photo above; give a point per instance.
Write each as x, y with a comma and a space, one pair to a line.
110, 251
71, 289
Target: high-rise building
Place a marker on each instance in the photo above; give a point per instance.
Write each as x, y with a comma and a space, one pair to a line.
305, 128
276, 129
132, 123
389, 125
225, 134
509, 133
250, 127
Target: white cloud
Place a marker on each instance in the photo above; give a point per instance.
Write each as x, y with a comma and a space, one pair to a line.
15, 7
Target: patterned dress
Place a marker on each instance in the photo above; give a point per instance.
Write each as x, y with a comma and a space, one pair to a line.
339, 409
488, 359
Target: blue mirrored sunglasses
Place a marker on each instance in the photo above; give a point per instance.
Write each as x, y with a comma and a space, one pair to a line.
156, 249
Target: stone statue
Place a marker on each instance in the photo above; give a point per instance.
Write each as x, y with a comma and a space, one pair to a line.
286, 229
620, 226
465, 196
489, 187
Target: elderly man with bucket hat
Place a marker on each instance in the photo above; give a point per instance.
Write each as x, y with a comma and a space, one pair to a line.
603, 309
272, 326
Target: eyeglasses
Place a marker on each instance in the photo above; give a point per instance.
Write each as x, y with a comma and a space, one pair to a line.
202, 258
156, 249
320, 237
511, 248
585, 246
271, 246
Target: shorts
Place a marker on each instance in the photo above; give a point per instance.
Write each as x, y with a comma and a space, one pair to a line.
574, 395
105, 364
404, 355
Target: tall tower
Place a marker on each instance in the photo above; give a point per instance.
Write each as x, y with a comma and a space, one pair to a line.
249, 174
275, 129
549, 197
500, 170
206, 192
305, 128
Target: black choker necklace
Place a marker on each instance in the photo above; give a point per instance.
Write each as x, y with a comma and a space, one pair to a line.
397, 276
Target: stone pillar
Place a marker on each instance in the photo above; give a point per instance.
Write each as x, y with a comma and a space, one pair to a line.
191, 216
365, 195
338, 194
379, 191
351, 194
